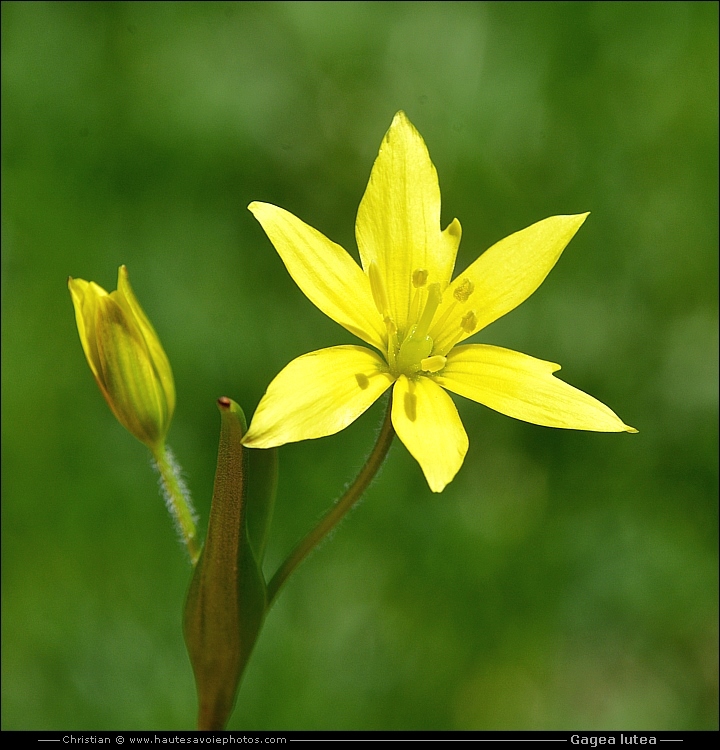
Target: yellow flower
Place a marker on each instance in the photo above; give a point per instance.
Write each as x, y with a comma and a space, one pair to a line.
126, 358
404, 303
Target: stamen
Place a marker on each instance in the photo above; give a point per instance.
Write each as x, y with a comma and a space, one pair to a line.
434, 363
415, 304
463, 290
393, 344
461, 294
378, 289
417, 345
440, 323
419, 277
469, 322
431, 306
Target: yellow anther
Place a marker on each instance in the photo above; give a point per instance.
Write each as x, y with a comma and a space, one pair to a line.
463, 290
469, 322
434, 363
419, 277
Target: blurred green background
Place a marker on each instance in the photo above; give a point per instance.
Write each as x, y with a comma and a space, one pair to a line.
564, 579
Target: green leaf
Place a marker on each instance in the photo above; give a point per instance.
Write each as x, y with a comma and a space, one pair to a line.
227, 599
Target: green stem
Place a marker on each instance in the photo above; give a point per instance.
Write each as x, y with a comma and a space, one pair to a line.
178, 500
338, 511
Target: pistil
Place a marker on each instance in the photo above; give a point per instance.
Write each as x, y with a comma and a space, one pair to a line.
414, 352
417, 345
431, 306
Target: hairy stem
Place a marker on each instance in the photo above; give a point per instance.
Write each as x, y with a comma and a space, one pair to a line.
177, 498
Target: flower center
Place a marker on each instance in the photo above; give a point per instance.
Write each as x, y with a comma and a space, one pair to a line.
417, 345
410, 351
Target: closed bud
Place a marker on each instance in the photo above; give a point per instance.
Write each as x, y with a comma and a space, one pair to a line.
126, 358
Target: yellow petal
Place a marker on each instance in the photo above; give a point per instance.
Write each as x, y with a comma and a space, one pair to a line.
327, 275
126, 357
127, 300
85, 297
129, 376
398, 222
502, 277
426, 420
318, 394
524, 387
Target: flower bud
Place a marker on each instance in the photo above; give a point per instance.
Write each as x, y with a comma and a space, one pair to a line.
126, 358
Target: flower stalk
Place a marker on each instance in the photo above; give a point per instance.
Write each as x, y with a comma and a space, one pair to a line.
338, 511
177, 499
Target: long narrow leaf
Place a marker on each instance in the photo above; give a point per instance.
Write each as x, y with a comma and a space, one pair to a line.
226, 602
